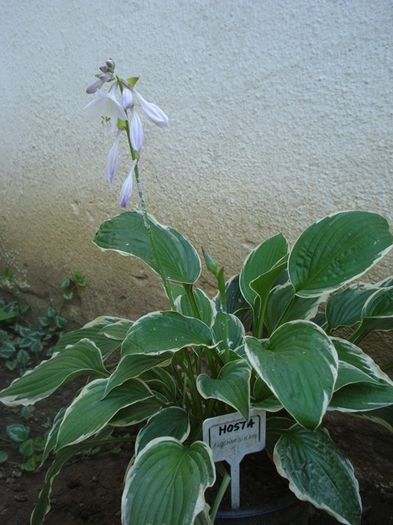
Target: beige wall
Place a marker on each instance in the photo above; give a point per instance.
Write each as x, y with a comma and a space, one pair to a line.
281, 112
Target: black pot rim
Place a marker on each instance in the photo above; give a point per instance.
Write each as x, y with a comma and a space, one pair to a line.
279, 504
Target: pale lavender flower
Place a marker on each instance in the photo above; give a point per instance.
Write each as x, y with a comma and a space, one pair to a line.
126, 190
127, 98
136, 131
152, 111
112, 161
106, 105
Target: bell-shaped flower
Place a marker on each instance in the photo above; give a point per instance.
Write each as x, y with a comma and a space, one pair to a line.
112, 161
136, 131
152, 111
106, 105
127, 98
126, 190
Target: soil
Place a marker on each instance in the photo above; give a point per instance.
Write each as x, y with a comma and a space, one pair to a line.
88, 490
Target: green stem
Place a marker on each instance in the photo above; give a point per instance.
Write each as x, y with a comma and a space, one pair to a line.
221, 289
212, 363
191, 298
261, 317
226, 478
196, 397
134, 156
178, 378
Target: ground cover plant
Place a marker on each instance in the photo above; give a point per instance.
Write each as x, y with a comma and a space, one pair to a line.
267, 340
24, 341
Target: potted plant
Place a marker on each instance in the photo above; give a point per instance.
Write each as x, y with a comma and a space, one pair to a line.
267, 342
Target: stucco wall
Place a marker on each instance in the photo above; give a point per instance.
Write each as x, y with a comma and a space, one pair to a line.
281, 112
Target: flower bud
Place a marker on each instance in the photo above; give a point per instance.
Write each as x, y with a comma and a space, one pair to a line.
126, 190
136, 132
105, 77
111, 65
94, 86
112, 161
127, 98
104, 68
211, 264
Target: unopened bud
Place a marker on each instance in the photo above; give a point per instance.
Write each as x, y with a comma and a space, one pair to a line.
136, 132
126, 190
104, 68
111, 65
127, 98
104, 77
94, 86
210, 263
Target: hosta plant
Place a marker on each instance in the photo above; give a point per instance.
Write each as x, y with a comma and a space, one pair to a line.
269, 339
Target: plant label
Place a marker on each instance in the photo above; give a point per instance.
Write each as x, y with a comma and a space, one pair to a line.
231, 437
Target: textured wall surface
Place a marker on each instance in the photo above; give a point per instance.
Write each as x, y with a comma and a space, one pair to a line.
281, 112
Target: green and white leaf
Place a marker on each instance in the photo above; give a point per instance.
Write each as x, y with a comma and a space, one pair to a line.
232, 386
52, 435
81, 358
344, 308
337, 249
133, 365
299, 364
283, 306
137, 412
172, 254
362, 397
355, 366
171, 421
377, 313
264, 397
43, 504
203, 517
118, 330
89, 412
382, 416
206, 307
180, 475
161, 381
264, 283
270, 404
318, 472
228, 331
161, 332
93, 332
261, 260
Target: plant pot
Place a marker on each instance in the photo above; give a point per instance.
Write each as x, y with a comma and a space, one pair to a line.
286, 510
265, 498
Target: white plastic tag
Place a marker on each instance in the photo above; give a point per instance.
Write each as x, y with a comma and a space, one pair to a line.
231, 437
